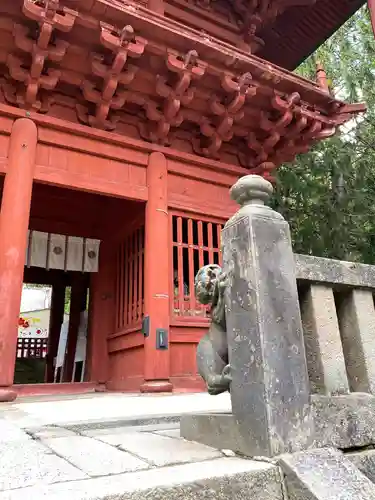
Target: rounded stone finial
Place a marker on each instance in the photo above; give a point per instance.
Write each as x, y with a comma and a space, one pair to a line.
251, 189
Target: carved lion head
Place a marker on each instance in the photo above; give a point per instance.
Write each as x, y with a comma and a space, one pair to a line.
205, 283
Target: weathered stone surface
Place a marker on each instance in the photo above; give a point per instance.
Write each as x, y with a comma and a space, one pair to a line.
324, 352
130, 429
334, 272
161, 450
49, 432
218, 479
10, 433
174, 433
324, 474
216, 430
345, 421
365, 462
26, 463
270, 387
94, 457
356, 315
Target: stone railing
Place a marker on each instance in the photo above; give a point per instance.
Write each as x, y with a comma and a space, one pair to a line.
300, 390
338, 317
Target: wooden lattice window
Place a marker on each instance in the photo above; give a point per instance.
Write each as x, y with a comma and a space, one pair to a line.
130, 280
196, 243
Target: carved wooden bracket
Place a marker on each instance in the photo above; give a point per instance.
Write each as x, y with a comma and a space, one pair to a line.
42, 46
115, 77
237, 91
49, 11
229, 107
183, 71
254, 15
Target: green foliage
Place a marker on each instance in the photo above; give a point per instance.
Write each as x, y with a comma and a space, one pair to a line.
68, 293
328, 194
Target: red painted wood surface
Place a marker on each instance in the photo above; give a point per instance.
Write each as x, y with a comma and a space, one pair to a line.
157, 272
101, 313
125, 341
115, 219
195, 243
371, 7
93, 59
63, 388
126, 369
129, 280
14, 220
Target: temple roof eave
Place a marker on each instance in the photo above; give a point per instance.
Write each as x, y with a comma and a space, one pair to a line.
174, 76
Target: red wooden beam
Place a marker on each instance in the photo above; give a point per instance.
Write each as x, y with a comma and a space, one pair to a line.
371, 8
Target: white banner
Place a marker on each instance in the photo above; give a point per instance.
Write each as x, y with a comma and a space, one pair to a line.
69, 253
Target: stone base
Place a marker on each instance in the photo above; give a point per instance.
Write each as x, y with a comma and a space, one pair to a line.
342, 422
324, 474
7, 395
155, 386
101, 388
364, 461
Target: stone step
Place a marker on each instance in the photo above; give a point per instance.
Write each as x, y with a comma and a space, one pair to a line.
151, 462
218, 479
324, 474
365, 461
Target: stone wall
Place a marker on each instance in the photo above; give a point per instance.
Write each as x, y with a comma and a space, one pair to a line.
338, 317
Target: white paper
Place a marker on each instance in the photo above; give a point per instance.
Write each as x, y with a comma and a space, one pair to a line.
91, 256
38, 249
75, 254
56, 257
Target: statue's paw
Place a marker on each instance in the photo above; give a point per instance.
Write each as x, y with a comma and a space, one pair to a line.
219, 383
227, 373
214, 391
223, 281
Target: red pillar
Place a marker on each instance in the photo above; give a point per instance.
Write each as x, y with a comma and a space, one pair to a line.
77, 305
14, 222
56, 320
101, 314
371, 8
157, 274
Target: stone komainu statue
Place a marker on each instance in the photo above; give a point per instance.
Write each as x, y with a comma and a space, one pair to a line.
212, 353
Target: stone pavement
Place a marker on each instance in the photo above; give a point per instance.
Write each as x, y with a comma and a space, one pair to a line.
89, 448
104, 409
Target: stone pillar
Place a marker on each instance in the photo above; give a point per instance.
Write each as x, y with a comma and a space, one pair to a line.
157, 276
56, 320
78, 300
270, 387
356, 315
14, 222
325, 357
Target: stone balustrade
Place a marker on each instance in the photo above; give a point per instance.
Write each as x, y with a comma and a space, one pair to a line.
338, 317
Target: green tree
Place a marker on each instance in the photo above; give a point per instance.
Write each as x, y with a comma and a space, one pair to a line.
328, 194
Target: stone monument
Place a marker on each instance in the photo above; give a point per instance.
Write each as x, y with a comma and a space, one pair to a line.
255, 350
255, 342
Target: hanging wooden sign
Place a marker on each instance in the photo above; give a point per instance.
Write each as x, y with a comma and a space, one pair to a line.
68, 253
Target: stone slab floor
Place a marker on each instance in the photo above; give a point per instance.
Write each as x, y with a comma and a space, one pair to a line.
93, 447
133, 463
108, 408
